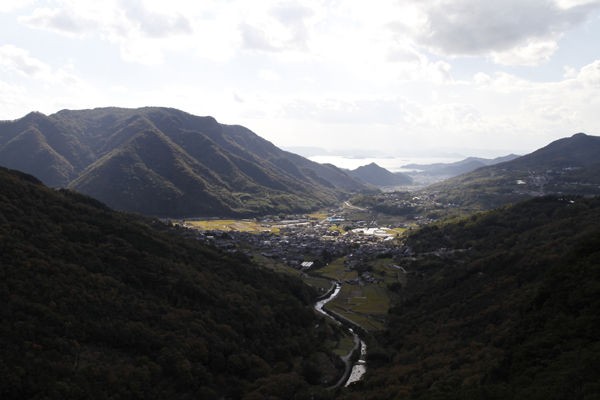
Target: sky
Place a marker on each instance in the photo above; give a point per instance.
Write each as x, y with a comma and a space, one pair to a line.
377, 78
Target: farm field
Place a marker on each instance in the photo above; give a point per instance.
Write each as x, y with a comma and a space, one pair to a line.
240, 225
365, 304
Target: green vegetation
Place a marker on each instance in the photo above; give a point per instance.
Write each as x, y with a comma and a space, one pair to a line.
366, 304
98, 304
565, 166
167, 163
500, 305
336, 270
321, 285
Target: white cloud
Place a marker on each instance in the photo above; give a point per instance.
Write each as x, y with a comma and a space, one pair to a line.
19, 60
513, 32
10, 6
574, 3
59, 20
254, 38
589, 75
269, 75
532, 53
135, 26
380, 111
278, 27
156, 24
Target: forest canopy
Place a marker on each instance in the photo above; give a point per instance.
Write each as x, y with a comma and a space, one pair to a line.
99, 304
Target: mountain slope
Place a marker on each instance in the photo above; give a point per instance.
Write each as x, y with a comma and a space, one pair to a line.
502, 305
375, 175
166, 162
457, 168
98, 304
554, 169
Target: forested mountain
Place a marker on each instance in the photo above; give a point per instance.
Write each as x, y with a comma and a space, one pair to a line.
165, 162
500, 305
97, 304
566, 166
375, 175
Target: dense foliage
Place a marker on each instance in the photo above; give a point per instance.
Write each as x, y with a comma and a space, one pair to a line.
97, 304
165, 162
501, 305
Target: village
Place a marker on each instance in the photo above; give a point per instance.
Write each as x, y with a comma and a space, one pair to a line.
307, 243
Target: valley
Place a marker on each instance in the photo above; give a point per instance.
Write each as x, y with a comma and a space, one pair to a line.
338, 245
460, 288
300, 200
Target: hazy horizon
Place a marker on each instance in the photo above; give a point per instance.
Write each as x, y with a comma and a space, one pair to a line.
393, 77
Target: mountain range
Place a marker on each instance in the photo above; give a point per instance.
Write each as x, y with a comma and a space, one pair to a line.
99, 304
566, 166
447, 170
165, 162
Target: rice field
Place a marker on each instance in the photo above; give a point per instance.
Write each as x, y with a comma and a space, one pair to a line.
243, 225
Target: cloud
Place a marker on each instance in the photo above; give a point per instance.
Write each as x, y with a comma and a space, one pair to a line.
139, 28
512, 32
256, 39
154, 24
278, 27
19, 60
10, 6
360, 111
531, 53
116, 19
269, 75
59, 20
589, 75
293, 16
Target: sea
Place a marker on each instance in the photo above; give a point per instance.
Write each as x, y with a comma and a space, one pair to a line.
393, 164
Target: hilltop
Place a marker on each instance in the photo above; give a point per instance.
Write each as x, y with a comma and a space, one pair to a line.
165, 162
378, 176
566, 166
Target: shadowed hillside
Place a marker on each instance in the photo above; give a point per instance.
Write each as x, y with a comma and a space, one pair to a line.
565, 166
502, 305
98, 304
165, 162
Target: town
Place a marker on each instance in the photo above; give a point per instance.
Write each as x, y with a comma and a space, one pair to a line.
304, 242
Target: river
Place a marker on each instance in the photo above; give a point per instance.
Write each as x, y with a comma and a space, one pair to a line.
359, 368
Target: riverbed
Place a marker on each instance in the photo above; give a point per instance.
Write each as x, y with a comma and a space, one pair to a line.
359, 368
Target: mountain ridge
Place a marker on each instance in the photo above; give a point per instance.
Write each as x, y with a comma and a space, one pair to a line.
459, 167
565, 166
202, 167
